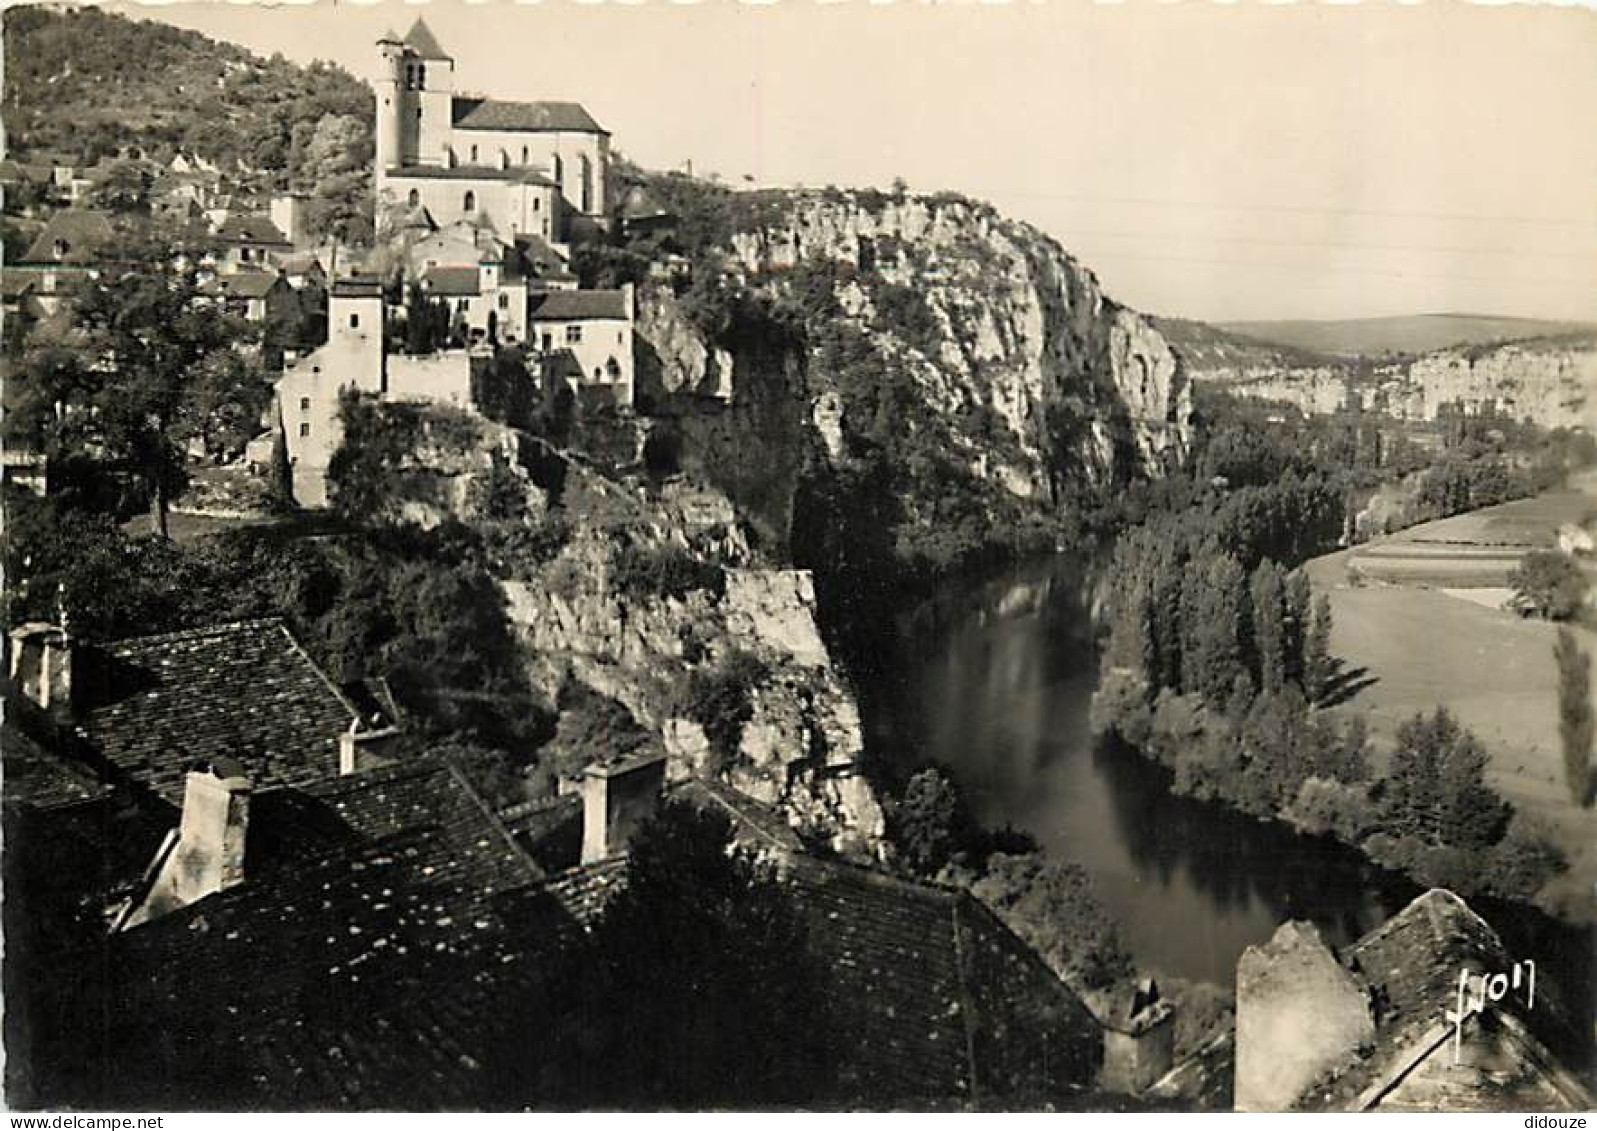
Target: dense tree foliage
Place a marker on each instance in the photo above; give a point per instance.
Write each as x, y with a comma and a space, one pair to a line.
1576, 725
139, 363
1549, 584
1052, 906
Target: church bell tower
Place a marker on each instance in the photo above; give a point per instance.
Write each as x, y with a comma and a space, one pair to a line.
390, 90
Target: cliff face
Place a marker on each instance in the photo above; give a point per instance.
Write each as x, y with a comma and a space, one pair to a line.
1547, 381
1004, 335
1000, 350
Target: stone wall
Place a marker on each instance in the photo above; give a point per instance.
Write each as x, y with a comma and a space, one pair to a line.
1299, 1014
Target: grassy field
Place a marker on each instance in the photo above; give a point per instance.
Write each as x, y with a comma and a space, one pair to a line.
1409, 648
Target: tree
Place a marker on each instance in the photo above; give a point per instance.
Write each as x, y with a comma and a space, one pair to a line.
698, 988
1436, 790
1317, 661
1299, 598
121, 188
1549, 584
929, 821
334, 167
1212, 593
146, 363
1575, 721
1269, 625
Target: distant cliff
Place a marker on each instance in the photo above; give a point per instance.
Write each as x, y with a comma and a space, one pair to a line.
1549, 380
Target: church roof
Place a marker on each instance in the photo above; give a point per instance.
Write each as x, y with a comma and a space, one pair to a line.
422, 42
524, 117
521, 175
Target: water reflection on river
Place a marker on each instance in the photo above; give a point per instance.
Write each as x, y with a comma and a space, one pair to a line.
995, 680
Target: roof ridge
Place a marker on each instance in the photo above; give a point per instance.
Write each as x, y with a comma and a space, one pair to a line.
536, 874
196, 632
293, 641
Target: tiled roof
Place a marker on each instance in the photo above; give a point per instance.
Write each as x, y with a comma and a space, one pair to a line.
83, 232
518, 174
37, 775
155, 705
245, 228
452, 282
382, 918
577, 306
523, 117
542, 260
1412, 964
423, 43
357, 286
934, 996
246, 284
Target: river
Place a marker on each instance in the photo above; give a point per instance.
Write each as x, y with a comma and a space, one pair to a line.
995, 680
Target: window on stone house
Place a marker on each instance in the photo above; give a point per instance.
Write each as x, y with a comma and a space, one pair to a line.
474, 155
504, 300
304, 404
421, 76
573, 335
524, 155
414, 198
470, 202
305, 429
354, 321
418, 113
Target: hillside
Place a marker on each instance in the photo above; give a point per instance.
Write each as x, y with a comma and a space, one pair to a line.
80, 83
1412, 334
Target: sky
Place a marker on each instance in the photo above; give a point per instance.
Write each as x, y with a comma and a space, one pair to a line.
1216, 161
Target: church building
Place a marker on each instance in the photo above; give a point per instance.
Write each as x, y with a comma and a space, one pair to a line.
531, 168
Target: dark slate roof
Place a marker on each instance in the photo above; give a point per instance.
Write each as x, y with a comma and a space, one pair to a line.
382, 920
84, 232
251, 230
523, 117
451, 282
1412, 963
358, 286
542, 260
934, 997
518, 174
421, 41
38, 776
153, 706
247, 284
577, 306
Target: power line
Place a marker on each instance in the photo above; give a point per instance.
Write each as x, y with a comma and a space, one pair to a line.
1322, 269
1156, 202
1586, 256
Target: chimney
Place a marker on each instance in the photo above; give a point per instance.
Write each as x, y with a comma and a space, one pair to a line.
1139, 1035
1299, 1012
617, 797
205, 853
210, 850
41, 665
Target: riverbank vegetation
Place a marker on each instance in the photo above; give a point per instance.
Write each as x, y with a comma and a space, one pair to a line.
1218, 666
